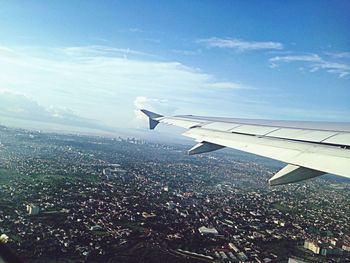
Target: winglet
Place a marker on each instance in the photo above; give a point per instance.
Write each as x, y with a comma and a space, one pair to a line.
152, 118
293, 173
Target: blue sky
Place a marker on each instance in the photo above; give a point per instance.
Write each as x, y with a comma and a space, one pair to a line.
93, 63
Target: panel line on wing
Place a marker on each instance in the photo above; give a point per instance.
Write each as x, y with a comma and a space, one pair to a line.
272, 131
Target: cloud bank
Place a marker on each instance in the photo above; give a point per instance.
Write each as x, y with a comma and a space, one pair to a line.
101, 85
19, 106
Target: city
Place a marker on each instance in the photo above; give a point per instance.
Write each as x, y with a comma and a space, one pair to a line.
88, 198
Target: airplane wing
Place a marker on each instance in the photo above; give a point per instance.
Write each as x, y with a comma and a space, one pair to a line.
310, 149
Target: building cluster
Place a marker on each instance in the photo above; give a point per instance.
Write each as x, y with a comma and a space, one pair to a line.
328, 248
85, 197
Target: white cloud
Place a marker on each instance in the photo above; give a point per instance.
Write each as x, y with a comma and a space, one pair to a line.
98, 50
187, 52
227, 85
91, 86
240, 45
314, 63
292, 58
340, 69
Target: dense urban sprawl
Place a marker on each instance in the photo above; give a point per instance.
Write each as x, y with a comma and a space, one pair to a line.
88, 198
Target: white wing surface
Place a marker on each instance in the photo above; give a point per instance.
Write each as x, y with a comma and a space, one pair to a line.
310, 149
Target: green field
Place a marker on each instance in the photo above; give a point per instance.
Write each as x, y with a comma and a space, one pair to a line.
7, 175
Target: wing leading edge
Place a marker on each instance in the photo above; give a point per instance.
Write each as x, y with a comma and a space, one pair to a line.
310, 149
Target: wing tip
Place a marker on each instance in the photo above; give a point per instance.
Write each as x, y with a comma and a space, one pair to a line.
152, 116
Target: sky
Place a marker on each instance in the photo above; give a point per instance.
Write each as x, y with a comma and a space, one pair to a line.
86, 65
